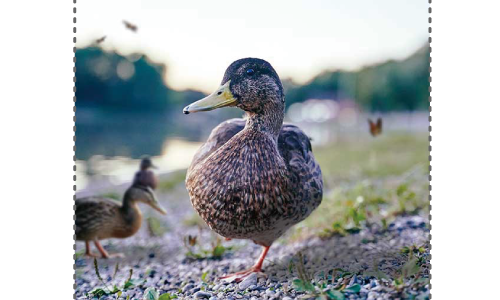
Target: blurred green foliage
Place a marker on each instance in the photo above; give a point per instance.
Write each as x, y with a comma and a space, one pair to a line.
388, 155
198, 250
369, 181
115, 289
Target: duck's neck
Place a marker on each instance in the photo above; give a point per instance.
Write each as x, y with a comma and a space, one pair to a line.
131, 212
268, 120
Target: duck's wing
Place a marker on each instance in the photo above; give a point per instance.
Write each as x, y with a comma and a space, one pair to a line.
295, 148
218, 137
93, 214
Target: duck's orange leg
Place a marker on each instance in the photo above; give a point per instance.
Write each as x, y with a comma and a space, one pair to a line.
257, 268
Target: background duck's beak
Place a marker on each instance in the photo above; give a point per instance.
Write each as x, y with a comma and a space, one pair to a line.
220, 98
159, 208
154, 203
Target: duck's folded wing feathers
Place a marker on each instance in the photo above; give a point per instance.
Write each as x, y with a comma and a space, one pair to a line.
92, 213
295, 148
293, 143
219, 136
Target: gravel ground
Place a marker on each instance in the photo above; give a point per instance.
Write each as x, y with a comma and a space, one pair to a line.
162, 262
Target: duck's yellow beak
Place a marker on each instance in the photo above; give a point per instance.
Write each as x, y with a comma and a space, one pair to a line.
220, 98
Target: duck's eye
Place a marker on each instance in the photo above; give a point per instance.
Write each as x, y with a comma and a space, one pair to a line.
250, 72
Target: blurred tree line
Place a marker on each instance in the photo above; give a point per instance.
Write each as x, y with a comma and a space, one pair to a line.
108, 80
389, 86
133, 83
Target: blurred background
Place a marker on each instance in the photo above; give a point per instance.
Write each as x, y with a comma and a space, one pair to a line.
138, 63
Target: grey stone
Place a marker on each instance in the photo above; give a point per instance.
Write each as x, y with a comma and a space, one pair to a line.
187, 287
249, 281
202, 295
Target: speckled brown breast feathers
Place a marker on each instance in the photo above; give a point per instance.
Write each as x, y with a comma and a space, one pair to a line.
247, 184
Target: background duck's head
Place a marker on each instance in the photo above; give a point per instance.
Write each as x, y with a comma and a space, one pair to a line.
146, 195
146, 163
250, 84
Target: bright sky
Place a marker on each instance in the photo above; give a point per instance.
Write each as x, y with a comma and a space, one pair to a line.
198, 39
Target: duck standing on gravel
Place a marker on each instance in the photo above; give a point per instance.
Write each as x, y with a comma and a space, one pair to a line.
145, 176
254, 178
99, 218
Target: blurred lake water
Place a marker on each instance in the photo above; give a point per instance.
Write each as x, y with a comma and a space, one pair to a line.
109, 146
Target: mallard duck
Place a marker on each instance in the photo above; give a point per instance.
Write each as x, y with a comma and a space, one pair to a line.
254, 178
99, 218
145, 176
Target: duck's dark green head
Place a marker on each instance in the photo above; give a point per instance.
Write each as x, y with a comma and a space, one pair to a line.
251, 84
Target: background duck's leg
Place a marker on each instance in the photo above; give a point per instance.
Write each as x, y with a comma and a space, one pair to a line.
257, 268
105, 253
87, 250
101, 249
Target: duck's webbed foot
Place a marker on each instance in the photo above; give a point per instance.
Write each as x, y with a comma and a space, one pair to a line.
240, 276
257, 268
116, 255
105, 253
91, 255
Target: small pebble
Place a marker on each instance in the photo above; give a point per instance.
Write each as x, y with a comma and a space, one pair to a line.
187, 287
202, 295
353, 281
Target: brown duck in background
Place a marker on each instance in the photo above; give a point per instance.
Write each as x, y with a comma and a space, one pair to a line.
254, 178
145, 176
99, 218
